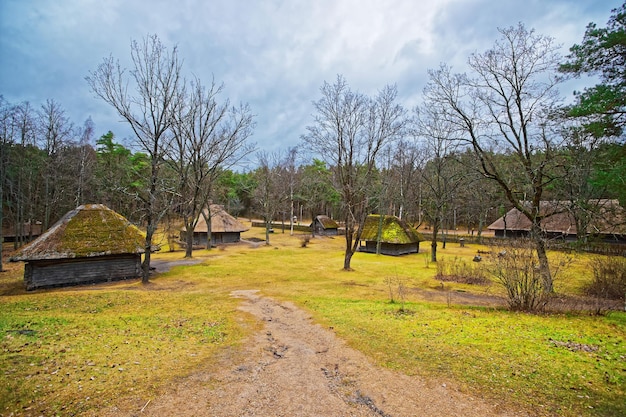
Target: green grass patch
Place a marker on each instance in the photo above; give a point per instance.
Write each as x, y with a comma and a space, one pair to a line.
67, 351
70, 351
553, 365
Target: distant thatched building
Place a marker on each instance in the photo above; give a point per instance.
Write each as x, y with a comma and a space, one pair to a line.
396, 237
224, 228
324, 225
91, 243
27, 232
606, 220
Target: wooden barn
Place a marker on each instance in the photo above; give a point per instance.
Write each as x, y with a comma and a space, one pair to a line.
397, 237
27, 232
608, 221
224, 228
324, 225
91, 243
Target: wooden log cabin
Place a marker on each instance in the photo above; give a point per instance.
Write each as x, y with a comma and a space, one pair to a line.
224, 228
90, 244
324, 225
396, 236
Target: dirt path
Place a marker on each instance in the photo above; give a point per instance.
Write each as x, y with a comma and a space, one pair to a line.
296, 368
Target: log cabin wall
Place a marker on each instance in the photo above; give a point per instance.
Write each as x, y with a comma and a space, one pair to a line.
62, 272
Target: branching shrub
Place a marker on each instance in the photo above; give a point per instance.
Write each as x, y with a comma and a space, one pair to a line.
458, 270
516, 267
304, 240
399, 286
609, 277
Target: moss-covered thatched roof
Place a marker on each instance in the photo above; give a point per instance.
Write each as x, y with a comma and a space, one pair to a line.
394, 230
221, 222
87, 231
327, 222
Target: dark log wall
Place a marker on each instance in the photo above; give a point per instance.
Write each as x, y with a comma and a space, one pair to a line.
216, 238
390, 248
55, 273
225, 237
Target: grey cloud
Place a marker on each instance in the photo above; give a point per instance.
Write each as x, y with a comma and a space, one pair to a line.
272, 54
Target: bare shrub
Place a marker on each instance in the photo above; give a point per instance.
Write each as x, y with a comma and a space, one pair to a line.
397, 287
516, 267
458, 270
427, 260
304, 240
609, 277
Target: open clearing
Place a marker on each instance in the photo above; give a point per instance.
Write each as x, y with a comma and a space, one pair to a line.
280, 329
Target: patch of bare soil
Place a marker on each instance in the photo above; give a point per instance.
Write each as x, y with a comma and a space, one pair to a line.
294, 367
460, 297
166, 265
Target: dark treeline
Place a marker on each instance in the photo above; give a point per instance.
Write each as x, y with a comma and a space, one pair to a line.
50, 166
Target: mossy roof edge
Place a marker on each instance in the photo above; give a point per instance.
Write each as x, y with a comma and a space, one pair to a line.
88, 231
394, 230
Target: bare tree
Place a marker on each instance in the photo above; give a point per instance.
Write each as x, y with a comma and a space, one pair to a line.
504, 105
149, 111
269, 194
55, 130
440, 174
208, 138
86, 163
579, 188
403, 188
315, 189
477, 196
27, 164
349, 131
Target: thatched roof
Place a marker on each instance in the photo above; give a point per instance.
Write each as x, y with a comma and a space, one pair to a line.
609, 218
394, 230
28, 229
326, 222
87, 231
221, 222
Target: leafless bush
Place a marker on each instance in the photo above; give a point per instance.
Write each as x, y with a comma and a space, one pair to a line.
304, 240
399, 286
609, 277
427, 259
516, 267
458, 270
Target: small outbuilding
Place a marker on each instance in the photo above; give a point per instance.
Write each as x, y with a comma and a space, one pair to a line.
324, 226
224, 227
396, 236
91, 243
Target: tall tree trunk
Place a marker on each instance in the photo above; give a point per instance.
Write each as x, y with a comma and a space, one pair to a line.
188, 241
268, 225
145, 266
151, 217
347, 259
538, 237
433, 244
349, 247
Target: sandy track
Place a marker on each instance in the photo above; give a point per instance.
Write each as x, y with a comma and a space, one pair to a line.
297, 368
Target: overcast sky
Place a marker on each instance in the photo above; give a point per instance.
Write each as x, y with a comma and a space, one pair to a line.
272, 54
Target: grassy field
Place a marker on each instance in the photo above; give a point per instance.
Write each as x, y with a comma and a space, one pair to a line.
68, 351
